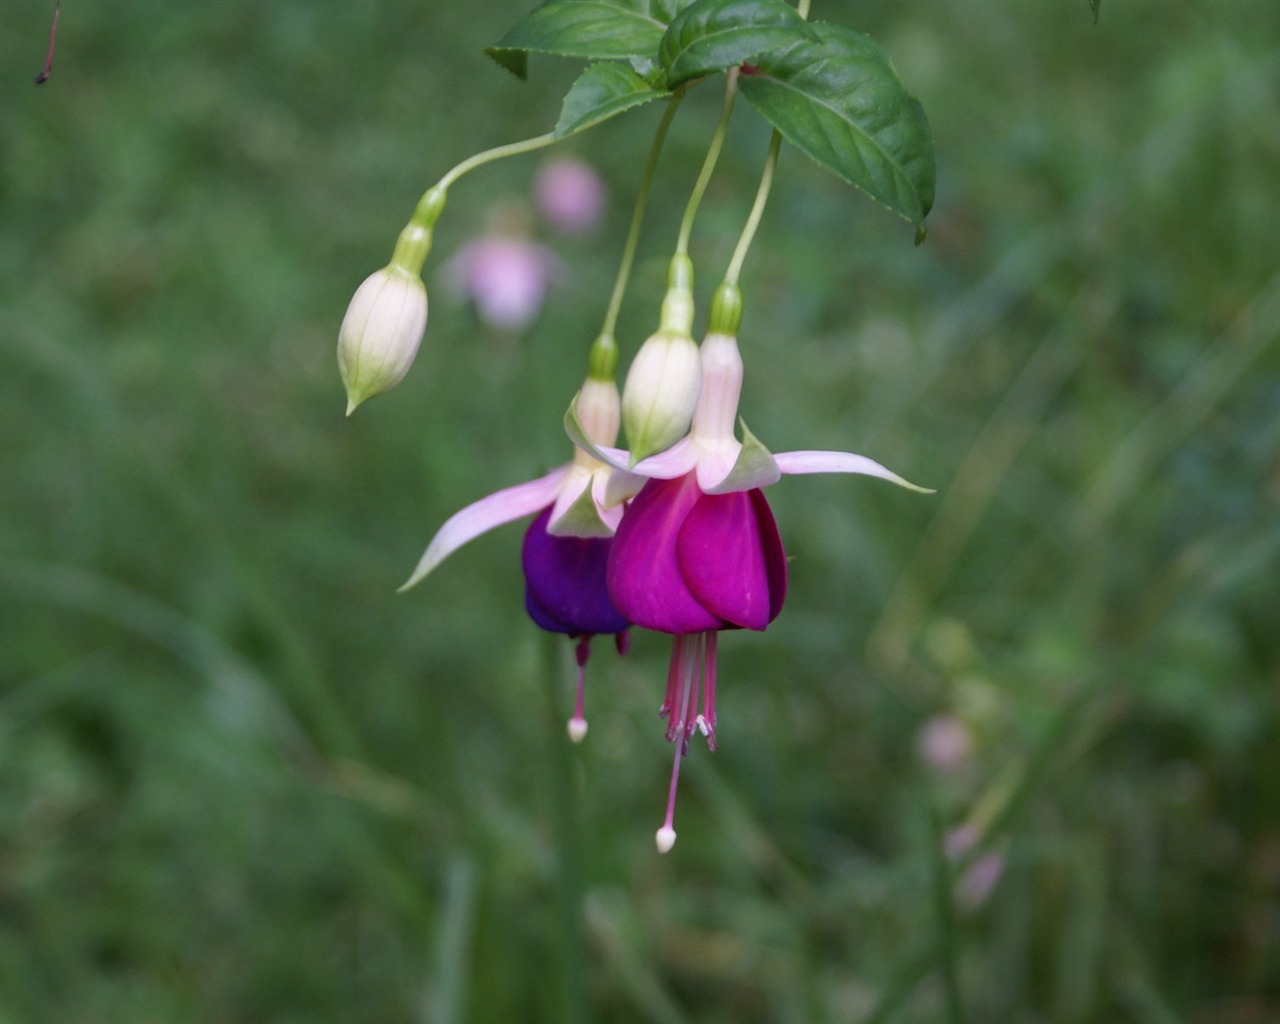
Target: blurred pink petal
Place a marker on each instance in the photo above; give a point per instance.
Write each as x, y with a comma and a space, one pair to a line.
506, 277
570, 195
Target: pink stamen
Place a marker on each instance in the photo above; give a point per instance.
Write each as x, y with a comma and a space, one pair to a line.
707, 720
692, 684
692, 670
670, 700
53, 38
578, 723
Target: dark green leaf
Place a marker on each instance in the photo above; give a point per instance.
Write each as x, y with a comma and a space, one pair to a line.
515, 61
594, 29
837, 98
711, 35
600, 92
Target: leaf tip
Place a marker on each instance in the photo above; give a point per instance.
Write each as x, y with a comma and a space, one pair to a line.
515, 61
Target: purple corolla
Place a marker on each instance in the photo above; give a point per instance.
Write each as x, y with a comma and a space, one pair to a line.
566, 547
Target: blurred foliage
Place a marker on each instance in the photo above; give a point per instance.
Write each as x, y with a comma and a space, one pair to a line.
241, 780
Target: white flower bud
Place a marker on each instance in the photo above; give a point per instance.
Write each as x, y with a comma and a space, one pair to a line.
661, 393
598, 410
381, 333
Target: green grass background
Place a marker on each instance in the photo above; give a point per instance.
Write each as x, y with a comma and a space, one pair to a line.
242, 781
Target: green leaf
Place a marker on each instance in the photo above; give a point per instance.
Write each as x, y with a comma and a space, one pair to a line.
837, 98
711, 35
600, 92
594, 29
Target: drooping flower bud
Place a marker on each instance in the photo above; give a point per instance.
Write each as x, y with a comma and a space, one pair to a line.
663, 383
383, 327
381, 333
579, 510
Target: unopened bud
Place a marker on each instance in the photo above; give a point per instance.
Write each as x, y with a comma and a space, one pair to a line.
662, 385
661, 393
381, 333
598, 410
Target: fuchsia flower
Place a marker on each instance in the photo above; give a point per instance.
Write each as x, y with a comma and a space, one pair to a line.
566, 548
698, 550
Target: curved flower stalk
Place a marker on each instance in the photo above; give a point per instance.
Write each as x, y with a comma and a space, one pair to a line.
565, 552
698, 550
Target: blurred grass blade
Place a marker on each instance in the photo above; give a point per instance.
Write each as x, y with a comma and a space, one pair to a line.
446, 1001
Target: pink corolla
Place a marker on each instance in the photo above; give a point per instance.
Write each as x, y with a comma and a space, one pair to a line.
698, 550
566, 547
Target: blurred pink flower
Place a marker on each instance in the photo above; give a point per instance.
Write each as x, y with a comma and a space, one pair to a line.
945, 743
506, 277
570, 195
982, 874
980, 879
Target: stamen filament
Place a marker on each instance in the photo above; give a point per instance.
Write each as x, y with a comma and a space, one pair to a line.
677, 732
667, 711
692, 670
707, 719
578, 723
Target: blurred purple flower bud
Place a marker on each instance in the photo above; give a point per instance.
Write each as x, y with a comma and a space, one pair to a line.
570, 195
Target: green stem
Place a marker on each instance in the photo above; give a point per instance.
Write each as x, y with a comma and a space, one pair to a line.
709, 164
497, 153
637, 218
942, 882
574, 1007
757, 210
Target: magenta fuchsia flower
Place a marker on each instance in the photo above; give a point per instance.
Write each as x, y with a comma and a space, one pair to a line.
566, 547
698, 550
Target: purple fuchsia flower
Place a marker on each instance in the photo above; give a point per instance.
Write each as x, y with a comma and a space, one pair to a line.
566, 547
698, 550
